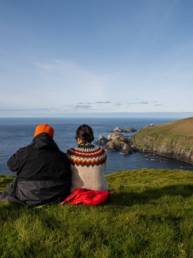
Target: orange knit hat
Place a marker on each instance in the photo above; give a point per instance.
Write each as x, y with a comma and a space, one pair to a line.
44, 128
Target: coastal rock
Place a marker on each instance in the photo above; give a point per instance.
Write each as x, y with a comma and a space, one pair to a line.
117, 129
116, 136
116, 142
126, 149
129, 130
102, 141
125, 130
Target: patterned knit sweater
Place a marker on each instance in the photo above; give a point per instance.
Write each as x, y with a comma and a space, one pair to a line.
87, 164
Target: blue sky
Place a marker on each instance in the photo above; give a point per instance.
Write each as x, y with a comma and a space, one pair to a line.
59, 57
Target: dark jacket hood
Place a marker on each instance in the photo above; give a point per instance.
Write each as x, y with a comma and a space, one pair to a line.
44, 141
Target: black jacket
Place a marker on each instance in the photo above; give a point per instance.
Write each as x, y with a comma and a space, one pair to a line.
43, 172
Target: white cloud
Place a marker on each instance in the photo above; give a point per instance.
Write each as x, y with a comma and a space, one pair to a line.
71, 82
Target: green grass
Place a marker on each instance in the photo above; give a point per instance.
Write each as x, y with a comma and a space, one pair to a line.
150, 215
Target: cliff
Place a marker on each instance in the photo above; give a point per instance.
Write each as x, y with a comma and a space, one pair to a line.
172, 140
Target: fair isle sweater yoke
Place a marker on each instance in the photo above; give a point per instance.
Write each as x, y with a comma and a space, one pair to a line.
87, 164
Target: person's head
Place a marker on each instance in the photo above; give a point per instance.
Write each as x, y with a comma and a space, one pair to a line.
44, 129
84, 134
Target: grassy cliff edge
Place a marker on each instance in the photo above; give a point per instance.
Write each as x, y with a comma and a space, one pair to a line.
149, 215
172, 140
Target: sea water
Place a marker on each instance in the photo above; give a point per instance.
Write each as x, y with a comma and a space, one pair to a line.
17, 132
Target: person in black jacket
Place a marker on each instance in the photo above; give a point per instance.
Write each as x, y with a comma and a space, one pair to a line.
43, 171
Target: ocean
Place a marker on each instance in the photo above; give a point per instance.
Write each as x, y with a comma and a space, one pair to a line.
17, 132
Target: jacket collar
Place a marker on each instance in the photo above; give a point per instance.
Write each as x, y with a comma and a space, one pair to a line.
44, 141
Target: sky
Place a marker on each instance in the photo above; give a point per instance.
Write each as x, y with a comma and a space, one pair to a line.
63, 57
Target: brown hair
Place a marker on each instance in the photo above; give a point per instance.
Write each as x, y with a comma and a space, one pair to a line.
85, 133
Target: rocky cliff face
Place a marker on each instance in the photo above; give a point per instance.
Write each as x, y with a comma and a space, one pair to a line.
172, 140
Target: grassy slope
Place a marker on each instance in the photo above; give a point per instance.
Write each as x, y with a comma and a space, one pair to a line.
149, 215
173, 140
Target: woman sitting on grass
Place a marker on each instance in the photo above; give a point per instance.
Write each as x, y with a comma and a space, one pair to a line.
87, 161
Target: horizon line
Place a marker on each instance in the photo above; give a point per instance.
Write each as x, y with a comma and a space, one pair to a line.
105, 115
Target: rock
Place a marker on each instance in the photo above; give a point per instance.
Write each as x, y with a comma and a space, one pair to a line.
126, 130
129, 130
102, 141
117, 129
118, 142
110, 146
116, 136
126, 149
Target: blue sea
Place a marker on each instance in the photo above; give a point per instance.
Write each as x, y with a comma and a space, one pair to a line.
17, 132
